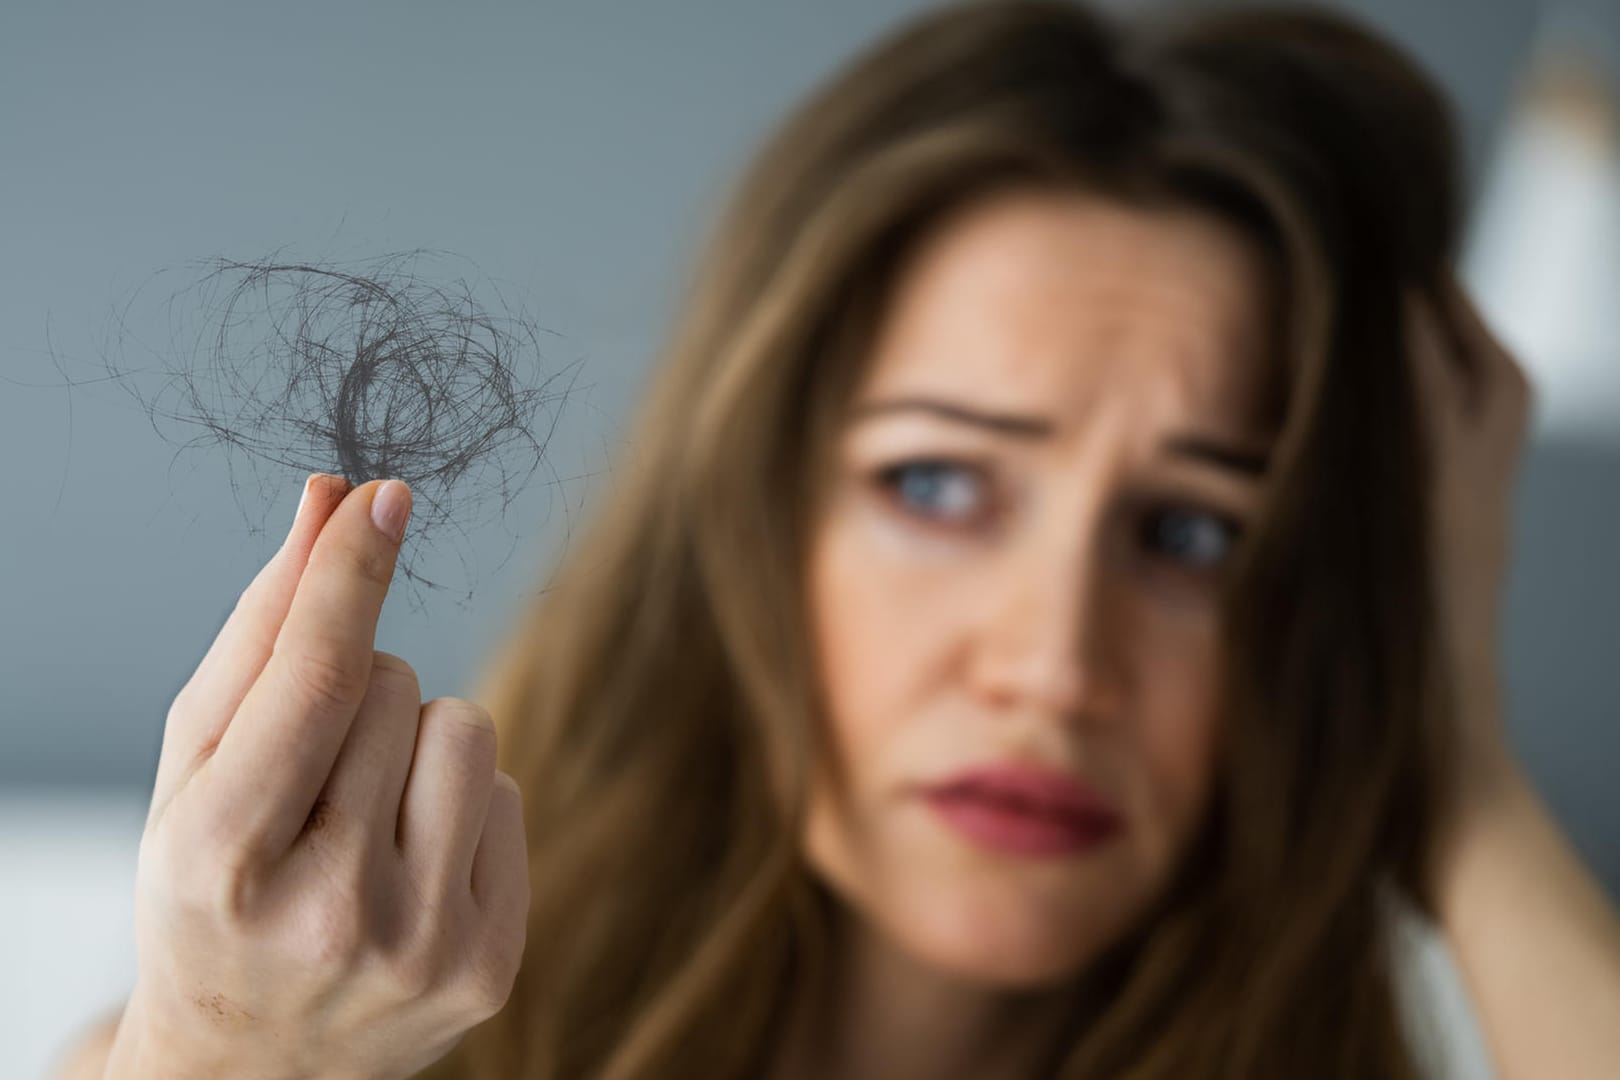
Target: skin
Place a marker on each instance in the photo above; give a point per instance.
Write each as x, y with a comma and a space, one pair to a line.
1044, 592
325, 854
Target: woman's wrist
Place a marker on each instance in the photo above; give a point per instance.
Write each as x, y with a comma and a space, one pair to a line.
138, 1053
133, 1056
1492, 799
1488, 783
142, 1050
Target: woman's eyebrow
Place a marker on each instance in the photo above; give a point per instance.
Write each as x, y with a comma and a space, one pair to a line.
1208, 449
1239, 459
1025, 427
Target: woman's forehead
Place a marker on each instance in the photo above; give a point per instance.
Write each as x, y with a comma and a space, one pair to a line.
1052, 299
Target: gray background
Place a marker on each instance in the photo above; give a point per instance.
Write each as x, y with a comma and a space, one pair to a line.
573, 152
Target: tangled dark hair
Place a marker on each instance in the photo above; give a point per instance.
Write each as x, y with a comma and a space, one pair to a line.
392, 366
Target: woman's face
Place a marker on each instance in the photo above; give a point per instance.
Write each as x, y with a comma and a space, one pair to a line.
1043, 474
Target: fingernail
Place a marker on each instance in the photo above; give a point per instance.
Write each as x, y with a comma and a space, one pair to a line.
390, 507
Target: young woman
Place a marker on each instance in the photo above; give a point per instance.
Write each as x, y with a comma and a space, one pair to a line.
1051, 612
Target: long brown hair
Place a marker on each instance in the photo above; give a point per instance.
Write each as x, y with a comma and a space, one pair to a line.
658, 705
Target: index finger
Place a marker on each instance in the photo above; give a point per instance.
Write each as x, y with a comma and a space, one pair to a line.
281, 745
204, 706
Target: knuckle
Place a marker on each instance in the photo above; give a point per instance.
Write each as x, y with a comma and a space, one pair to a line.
335, 932
490, 974
371, 564
234, 896
324, 680
220, 890
229, 884
465, 721
413, 979
202, 865
507, 781
419, 972
392, 673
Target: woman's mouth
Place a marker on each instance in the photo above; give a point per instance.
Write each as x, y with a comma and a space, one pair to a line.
1022, 811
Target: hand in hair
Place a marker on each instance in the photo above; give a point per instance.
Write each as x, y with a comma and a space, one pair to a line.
1536, 939
333, 876
1475, 400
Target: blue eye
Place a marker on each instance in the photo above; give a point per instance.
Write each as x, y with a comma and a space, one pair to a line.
937, 490
1186, 534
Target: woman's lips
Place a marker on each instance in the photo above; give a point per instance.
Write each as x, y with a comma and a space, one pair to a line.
1024, 810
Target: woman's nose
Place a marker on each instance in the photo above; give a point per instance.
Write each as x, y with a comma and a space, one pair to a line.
1045, 641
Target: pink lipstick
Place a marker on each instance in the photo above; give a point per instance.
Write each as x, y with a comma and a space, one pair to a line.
1024, 810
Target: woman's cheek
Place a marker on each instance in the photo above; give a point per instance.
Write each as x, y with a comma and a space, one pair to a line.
887, 592
1180, 726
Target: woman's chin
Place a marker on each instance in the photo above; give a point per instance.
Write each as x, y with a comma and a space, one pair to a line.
1001, 946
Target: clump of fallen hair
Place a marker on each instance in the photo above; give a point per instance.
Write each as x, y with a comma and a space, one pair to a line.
365, 370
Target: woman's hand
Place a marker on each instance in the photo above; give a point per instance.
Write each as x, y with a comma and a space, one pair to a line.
1536, 939
1476, 402
333, 879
